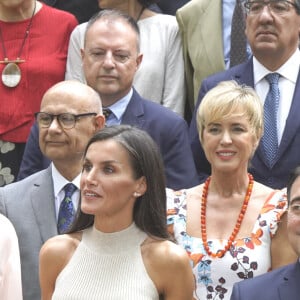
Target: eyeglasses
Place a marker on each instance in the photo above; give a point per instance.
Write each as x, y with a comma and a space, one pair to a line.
117, 57
278, 7
66, 120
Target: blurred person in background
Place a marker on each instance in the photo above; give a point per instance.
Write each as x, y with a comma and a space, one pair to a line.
34, 40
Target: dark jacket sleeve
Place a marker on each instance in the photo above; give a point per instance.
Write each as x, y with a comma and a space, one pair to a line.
33, 159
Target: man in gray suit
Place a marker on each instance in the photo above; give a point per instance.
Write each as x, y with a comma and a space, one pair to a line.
71, 112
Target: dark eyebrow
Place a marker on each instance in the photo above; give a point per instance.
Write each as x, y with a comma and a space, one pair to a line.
85, 159
295, 199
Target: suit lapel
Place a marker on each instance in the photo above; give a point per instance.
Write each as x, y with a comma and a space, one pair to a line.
42, 200
243, 73
290, 288
292, 123
134, 113
246, 76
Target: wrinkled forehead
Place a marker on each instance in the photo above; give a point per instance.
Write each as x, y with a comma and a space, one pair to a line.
111, 31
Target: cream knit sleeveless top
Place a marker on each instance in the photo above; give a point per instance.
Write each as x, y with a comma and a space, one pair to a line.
107, 266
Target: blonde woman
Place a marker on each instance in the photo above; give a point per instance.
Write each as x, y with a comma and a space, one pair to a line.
232, 227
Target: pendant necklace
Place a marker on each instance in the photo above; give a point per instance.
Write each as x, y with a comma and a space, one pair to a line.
11, 74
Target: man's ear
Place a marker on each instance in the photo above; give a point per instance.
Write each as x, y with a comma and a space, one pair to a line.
139, 60
99, 122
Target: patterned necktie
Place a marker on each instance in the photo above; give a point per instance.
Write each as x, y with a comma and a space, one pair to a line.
238, 40
270, 138
66, 212
106, 112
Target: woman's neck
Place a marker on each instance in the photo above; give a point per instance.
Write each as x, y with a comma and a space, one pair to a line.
227, 185
23, 11
111, 223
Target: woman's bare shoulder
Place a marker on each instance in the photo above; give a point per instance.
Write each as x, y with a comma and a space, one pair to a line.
61, 247
264, 192
165, 253
168, 266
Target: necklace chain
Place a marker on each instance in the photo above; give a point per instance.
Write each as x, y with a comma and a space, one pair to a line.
18, 60
220, 253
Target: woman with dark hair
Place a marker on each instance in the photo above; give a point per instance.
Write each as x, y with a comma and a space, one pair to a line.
160, 76
119, 247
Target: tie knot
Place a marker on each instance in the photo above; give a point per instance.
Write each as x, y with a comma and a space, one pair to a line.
273, 78
69, 189
106, 112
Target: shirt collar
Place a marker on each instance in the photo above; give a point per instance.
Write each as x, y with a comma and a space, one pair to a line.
119, 107
288, 70
59, 181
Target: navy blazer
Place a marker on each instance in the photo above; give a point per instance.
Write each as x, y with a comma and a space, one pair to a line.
170, 6
83, 10
280, 284
288, 153
167, 129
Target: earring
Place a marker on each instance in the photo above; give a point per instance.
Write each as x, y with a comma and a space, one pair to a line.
135, 194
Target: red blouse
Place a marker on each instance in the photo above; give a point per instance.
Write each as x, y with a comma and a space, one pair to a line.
45, 53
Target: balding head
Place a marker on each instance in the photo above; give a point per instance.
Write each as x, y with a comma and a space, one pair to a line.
73, 93
59, 141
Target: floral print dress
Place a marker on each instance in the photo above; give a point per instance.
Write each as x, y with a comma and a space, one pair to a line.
247, 257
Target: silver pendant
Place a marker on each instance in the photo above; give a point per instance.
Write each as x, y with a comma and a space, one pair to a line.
11, 75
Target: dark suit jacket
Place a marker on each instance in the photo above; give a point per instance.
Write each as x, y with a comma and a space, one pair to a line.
83, 10
29, 205
288, 156
170, 6
167, 129
280, 284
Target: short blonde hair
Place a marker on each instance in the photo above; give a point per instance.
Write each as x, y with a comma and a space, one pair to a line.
226, 98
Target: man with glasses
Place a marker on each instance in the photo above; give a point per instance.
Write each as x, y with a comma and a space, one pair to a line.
283, 283
70, 114
272, 30
110, 59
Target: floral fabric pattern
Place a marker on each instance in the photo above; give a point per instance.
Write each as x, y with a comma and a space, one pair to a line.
247, 257
6, 175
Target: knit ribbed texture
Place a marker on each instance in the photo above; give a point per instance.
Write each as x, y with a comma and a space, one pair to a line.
107, 266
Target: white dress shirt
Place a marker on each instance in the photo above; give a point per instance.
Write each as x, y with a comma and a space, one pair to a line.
287, 83
58, 183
